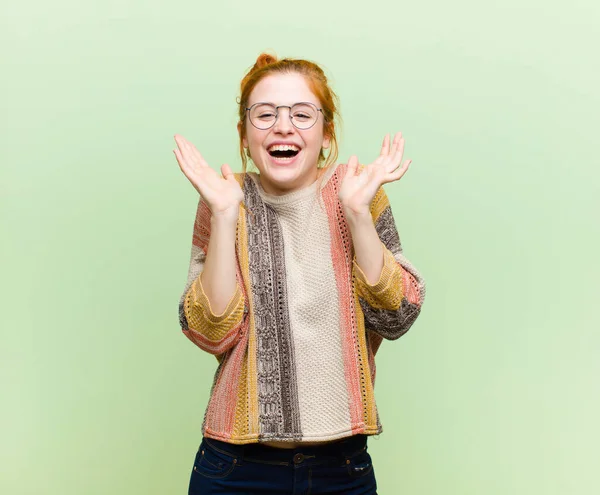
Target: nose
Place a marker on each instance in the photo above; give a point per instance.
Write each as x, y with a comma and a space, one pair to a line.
283, 124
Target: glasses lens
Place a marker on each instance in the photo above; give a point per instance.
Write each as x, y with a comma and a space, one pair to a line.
263, 115
304, 115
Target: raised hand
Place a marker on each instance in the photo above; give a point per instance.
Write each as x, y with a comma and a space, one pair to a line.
223, 195
358, 190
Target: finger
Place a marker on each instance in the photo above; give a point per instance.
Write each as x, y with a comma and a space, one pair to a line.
193, 154
396, 157
183, 165
396, 143
180, 140
179, 159
352, 166
183, 145
190, 152
226, 171
385, 147
187, 169
400, 172
400, 148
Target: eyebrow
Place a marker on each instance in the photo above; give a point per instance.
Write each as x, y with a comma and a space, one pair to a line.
271, 103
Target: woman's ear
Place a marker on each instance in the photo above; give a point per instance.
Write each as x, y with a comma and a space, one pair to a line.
243, 138
327, 136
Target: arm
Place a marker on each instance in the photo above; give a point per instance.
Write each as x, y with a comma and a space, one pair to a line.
389, 289
211, 308
392, 301
368, 249
218, 276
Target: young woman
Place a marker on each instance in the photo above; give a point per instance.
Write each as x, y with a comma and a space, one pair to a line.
296, 276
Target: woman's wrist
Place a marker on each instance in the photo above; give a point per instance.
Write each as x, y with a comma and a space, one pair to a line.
358, 219
368, 250
224, 221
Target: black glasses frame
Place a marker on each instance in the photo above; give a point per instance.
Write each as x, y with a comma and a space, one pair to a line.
290, 114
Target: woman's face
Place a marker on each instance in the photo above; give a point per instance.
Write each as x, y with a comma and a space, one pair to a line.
284, 175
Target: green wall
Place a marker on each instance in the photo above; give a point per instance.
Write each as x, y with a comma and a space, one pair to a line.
494, 390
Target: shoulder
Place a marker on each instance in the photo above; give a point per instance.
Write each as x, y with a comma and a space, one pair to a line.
245, 178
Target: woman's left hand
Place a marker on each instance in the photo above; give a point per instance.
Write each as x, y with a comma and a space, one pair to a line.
357, 191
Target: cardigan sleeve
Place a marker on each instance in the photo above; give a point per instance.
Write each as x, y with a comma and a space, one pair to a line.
214, 333
392, 304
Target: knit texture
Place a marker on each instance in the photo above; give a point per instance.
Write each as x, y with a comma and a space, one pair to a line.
296, 344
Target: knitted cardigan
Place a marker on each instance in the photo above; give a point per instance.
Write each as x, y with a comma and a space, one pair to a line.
257, 392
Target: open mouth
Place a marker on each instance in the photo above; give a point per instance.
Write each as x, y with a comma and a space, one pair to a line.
283, 151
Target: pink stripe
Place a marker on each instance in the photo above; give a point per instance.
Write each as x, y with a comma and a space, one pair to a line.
222, 405
410, 287
223, 402
211, 346
220, 413
202, 226
341, 248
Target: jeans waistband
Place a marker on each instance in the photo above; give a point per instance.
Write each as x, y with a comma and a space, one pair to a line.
346, 447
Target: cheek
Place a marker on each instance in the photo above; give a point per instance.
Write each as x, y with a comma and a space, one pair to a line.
253, 140
316, 142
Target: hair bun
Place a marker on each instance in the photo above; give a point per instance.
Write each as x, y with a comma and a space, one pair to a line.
264, 59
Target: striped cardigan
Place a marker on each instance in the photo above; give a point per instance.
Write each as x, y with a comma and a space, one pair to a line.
256, 393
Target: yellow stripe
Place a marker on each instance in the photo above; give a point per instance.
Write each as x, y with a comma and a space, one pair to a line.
240, 422
388, 291
379, 204
366, 384
202, 318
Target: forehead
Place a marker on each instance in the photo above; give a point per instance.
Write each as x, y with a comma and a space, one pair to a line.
282, 89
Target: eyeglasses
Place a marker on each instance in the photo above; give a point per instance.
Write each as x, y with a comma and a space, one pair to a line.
302, 115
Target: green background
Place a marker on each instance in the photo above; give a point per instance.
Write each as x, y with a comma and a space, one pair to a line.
494, 390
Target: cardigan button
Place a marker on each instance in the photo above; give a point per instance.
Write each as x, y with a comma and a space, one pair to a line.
298, 458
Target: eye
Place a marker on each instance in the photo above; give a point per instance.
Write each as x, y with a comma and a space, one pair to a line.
301, 116
263, 112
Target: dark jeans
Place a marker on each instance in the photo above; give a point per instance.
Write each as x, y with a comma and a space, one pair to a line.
341, 467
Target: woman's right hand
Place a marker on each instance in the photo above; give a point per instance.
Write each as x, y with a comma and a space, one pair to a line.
223, 195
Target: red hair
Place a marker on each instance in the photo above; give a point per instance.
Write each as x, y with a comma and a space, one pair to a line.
267, 64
